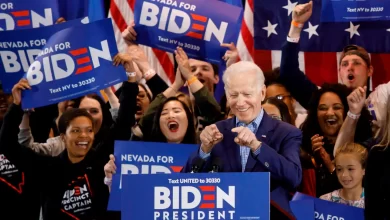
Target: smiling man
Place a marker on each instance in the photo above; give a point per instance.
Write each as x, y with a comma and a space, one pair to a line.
252, 141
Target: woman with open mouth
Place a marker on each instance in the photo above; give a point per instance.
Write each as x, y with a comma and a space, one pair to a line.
174, 123
328, 109
183, 76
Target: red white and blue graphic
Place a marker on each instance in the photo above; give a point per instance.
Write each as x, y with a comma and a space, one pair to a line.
24, 14
19, 49
355, 10
306, 207
74, 62
198, 26
196, 196
145, 158
272, 23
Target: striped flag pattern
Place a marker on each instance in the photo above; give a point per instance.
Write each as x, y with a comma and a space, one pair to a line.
320, 67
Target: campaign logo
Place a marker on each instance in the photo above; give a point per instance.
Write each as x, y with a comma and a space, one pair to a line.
73, 63
196, 26
19, 49
194, 202
10, 175
147, 164
135, 157
24, 15
20, 60
62, 65
181, 22
78, 198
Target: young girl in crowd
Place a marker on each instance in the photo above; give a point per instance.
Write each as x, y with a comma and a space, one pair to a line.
350, 162
327, 111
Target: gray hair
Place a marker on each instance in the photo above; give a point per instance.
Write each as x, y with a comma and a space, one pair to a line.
241, 67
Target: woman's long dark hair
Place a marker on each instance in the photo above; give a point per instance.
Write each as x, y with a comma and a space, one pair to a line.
158, 136
283, 109
310, 126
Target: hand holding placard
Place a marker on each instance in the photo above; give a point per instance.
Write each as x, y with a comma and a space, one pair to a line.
17, 90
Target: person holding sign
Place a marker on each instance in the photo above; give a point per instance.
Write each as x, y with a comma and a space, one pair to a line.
252, 141
71, 182
106, 130
206, 73
350, 162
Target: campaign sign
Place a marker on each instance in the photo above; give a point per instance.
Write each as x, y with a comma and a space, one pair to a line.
354, 10
325, 210
199, 27
196, 196
145, 158
24, 14
74, 62
19, 48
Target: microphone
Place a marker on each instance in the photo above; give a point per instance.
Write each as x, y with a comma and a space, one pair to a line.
197, 165
216, 165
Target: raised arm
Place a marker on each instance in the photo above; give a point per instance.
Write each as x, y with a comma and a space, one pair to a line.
21, 156
153, 80
205, 102
356, 102
300, 87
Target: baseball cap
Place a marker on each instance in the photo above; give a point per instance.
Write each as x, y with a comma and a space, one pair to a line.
356, 50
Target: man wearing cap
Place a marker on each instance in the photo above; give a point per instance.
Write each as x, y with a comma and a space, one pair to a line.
354, 66
354, 71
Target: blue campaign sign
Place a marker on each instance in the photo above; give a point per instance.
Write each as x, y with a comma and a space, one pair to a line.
355, 10
24, 14
74, 62
196, 196
145, 158
325, 210
194, 25
303, 209
19, 48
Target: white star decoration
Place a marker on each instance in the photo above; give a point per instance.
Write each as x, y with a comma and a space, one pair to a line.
271, 28
312, 30
352, 30
290, 7
388, 30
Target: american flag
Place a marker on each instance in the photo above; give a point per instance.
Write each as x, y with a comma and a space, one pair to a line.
264, 29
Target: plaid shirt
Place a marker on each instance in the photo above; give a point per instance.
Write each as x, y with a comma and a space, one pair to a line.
244, 150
